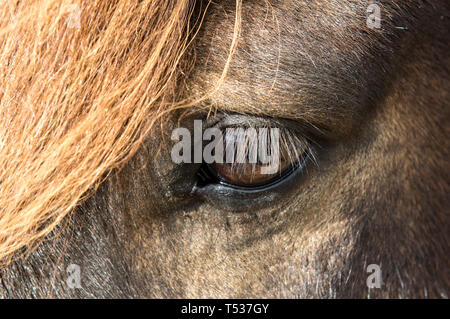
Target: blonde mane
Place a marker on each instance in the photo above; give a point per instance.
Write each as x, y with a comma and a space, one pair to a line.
82, 83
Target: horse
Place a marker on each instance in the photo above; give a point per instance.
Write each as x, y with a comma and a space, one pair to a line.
92, 203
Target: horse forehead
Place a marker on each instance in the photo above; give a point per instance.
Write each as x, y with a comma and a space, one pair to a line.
290, 60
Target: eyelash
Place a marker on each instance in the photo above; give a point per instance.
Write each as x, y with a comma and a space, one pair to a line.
296, 149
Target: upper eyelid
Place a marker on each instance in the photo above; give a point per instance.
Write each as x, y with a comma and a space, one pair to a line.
304, 132
224, 120
294, 135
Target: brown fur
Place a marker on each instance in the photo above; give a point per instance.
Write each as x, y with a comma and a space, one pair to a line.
379, 100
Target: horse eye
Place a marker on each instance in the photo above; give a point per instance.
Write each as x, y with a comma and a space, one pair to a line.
249, 175
247, 169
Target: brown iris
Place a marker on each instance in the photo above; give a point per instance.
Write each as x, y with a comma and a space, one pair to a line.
247, 174
292, 151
